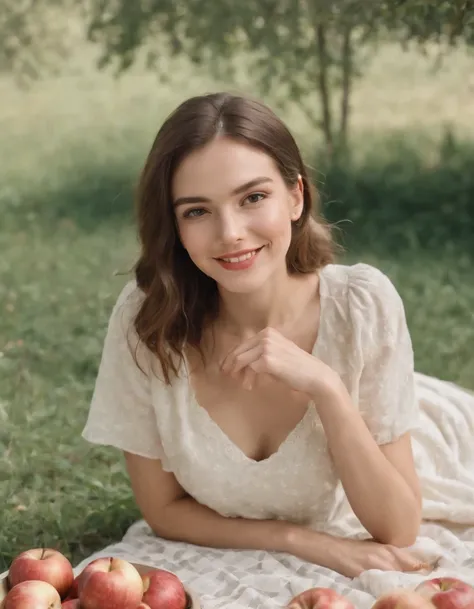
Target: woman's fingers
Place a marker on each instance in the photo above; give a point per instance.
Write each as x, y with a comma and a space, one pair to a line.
249, 378
408, 561
244, 359
230, 359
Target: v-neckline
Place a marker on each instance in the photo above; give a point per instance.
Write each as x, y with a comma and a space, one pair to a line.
230, 445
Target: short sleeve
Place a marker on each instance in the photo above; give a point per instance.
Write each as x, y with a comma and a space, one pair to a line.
387, 397
121, 413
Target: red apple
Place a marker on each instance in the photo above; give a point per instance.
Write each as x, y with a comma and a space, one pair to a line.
163, 590
32, 594
320, 598
402, 599
42, 564
73, 603
99, 564
447, 593
73, 591
143, 605
110, 583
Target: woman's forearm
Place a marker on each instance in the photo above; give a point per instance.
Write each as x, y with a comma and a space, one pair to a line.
381, 498
187, 520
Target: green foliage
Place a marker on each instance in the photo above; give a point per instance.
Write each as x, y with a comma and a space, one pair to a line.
292, 48
295, 49
35, 37
447, 21
283, 33
305, 53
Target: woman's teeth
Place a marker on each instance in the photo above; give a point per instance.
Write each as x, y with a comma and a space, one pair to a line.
240, 258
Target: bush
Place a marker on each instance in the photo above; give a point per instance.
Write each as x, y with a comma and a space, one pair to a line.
395, 198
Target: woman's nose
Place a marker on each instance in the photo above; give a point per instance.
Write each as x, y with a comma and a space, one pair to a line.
229, 228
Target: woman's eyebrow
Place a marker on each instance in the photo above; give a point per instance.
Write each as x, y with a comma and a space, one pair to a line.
236, 191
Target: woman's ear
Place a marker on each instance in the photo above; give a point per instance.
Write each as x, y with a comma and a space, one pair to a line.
297, 200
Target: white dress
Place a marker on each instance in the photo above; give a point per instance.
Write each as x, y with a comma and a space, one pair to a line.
362, 335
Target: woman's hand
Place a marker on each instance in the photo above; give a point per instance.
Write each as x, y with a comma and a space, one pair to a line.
269, 352
352, 557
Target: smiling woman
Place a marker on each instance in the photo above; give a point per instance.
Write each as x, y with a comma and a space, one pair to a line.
264, 396
223, 179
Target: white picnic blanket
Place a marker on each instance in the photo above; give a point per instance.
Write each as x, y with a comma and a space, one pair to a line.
444, 453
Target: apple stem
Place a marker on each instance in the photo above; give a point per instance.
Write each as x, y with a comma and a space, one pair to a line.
110, 563
43, 550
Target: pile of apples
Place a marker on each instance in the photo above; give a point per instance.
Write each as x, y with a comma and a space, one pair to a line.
438, 593
43, 578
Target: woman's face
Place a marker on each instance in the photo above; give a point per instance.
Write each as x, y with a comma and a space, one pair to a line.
234, 213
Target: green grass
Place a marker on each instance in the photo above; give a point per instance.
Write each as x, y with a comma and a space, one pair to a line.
66, 178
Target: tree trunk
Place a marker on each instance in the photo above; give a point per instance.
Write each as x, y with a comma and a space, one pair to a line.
323, 86
347, 74
456, 27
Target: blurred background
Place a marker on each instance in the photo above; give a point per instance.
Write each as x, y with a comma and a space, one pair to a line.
380, 97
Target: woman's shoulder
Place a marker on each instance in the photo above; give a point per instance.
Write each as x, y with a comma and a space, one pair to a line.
358, 273
122, 332
129, 298
121, 338
366, 295
125, 307
360, 279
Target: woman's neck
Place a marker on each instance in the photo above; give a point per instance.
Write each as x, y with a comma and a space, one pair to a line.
275, 305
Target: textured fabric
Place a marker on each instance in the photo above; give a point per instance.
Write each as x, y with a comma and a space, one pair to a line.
362, 335
229, 579
243, 579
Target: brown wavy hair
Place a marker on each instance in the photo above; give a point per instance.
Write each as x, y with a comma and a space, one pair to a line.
179, 298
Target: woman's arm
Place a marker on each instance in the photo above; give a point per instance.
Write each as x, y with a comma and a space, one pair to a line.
380, 482
173, 515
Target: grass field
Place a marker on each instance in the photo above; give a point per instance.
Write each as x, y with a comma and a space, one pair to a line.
74, 147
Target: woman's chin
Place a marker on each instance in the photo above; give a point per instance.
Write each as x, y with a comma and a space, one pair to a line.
244, 284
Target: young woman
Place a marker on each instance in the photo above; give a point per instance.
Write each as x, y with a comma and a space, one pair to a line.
255, 386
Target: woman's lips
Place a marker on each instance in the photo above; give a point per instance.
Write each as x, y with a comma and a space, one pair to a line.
245, 261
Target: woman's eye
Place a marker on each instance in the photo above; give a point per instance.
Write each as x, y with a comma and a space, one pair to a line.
193, 213
255, 197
